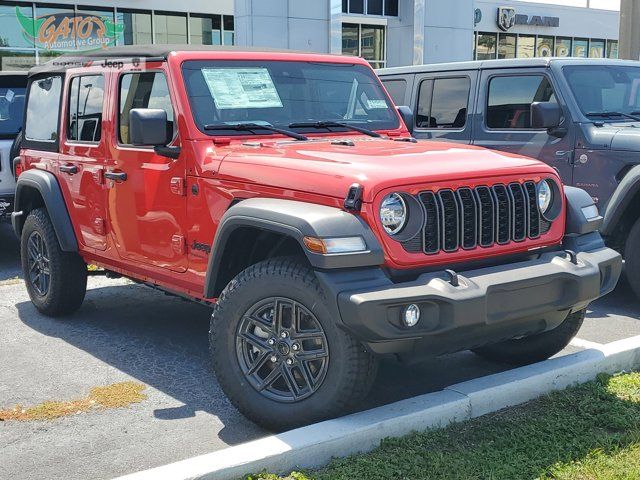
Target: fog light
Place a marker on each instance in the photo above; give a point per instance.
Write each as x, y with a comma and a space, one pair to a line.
411, 315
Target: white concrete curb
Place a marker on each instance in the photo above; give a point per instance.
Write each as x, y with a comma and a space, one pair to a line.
315, 445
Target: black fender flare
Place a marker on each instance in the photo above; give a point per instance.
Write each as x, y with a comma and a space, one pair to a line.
297, 220
620, 200
47, 185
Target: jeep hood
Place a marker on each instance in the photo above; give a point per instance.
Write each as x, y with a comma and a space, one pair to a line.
614, 136
326, 167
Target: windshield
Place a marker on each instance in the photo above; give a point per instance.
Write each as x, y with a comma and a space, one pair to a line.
12, 91
605, 89
288, 95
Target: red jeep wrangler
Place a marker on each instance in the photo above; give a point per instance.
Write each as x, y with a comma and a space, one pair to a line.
284, 190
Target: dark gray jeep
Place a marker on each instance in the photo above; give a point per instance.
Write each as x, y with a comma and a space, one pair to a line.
581, 116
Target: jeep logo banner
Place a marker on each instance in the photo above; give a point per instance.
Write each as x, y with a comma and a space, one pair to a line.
507, 18
63, 32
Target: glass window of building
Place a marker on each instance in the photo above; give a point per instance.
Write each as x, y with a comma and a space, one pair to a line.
544, 46
137, 27
62, 22
371, 7
206, 29
143, 90
581, 47
397, 89
374, 7
612, 49
229, 30
170, 27
526, 46
372, 41
43, 110
92, 28
486, 46
596, 48
507, 45
366, 41
563, 47
84, 122
510, 98
391, 8
17, 59
356, 6
14, 20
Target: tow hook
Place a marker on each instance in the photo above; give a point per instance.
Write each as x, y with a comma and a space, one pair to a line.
572, 256
453, 278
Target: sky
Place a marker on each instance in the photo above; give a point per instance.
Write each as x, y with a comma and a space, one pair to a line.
605, 4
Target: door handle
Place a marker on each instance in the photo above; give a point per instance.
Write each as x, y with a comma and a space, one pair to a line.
116, 176
69, 169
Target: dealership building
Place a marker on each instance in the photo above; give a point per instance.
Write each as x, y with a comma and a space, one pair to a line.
385, 32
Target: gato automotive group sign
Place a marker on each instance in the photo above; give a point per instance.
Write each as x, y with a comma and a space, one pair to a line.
65, 32
507, 18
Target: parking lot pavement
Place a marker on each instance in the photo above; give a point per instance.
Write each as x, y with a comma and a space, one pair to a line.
129, 332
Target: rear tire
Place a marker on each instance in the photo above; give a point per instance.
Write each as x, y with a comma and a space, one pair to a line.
56, 280
251, 344
534, 348
632, 258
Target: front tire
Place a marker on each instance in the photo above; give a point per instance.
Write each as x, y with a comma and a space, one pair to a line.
277, 352
56, 280
534, 348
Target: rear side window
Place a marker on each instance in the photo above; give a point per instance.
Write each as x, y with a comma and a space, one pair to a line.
510, 98
442, 103
143, 90
86, 96
43, 110
396, 89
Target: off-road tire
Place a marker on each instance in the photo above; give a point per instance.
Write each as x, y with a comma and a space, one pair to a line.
632, 258
68, 272
534, 348
350, 372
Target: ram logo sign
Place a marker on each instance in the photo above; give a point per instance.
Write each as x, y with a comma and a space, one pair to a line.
506, 18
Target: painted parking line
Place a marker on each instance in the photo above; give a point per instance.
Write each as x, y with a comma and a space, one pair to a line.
580, 343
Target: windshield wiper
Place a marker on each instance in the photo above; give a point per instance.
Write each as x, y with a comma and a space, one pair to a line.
251, 127
612, 114
330, 123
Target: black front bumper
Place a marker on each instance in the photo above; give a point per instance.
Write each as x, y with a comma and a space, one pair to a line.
6, 206
489, 305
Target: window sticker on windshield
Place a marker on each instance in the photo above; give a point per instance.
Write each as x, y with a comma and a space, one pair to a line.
10, 95
375, 104
233, 88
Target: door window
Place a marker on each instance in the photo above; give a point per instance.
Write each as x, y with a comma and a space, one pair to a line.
43, 109
510, 98
442, 103
143, 90
86, 95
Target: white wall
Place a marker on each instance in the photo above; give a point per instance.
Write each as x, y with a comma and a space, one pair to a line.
448, 31
195, 6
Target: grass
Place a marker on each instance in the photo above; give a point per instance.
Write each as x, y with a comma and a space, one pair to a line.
587, 432
116, 395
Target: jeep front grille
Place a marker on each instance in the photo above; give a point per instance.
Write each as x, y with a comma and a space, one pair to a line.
482, 216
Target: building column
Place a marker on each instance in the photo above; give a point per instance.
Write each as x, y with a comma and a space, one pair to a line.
629, 46
419, 12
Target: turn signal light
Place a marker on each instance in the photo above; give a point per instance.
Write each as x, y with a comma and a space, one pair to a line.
326, 246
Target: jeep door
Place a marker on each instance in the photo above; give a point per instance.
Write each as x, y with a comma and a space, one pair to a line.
505, 99
146, 209
82, 157
441, 102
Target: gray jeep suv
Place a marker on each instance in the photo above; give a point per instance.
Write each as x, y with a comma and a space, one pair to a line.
581, 116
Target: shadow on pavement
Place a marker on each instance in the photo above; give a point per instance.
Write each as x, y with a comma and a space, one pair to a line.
9, 253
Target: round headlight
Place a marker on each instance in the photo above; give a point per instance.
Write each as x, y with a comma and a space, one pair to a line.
545, 196
393, 213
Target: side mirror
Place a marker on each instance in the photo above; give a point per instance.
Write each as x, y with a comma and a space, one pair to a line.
148, 127
545, 115
407, 117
